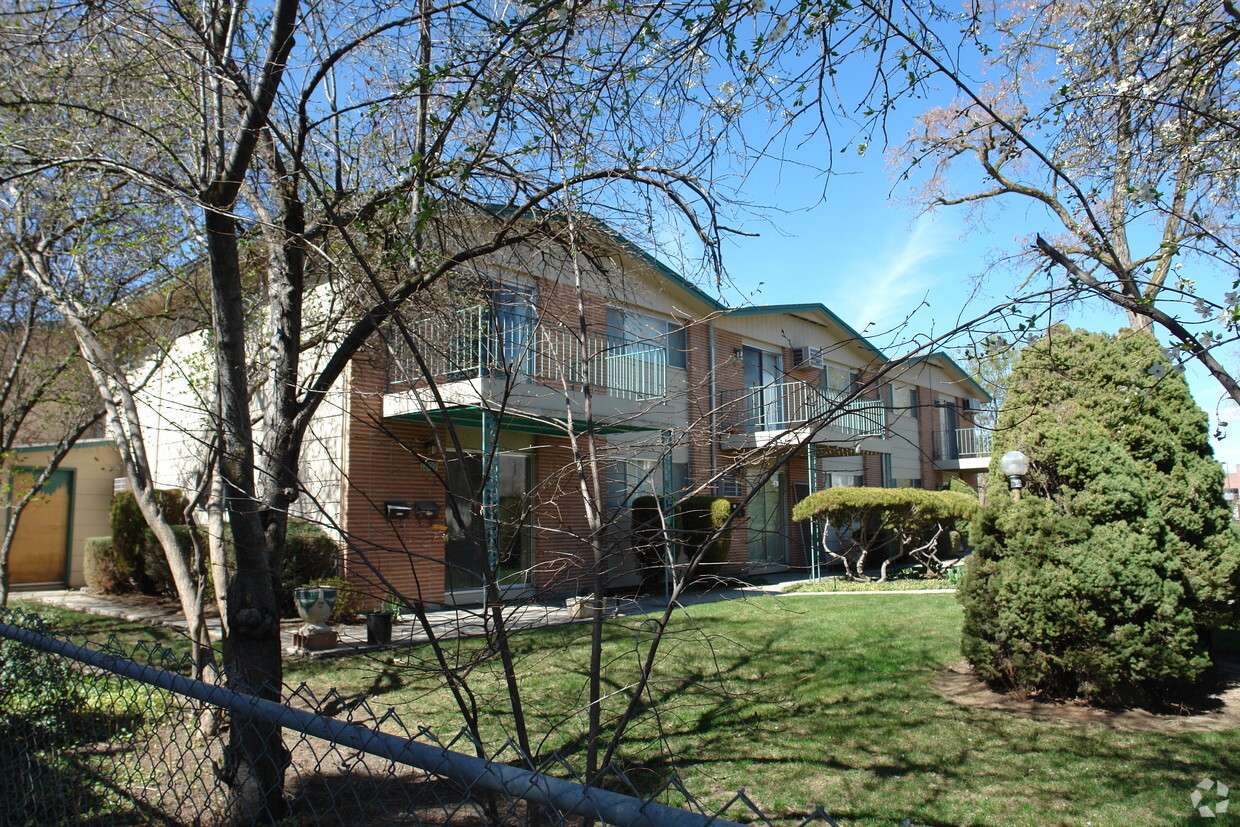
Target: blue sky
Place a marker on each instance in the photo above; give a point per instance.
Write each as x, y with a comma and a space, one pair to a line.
869, 254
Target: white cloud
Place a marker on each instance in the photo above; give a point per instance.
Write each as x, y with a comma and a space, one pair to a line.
895, 282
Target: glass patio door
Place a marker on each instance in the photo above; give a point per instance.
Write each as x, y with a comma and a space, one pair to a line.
763, 372
768, 542
465, 541
512, 325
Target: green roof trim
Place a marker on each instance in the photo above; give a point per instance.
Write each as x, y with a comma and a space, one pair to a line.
50, 446
779, 309
662, 269
472, 417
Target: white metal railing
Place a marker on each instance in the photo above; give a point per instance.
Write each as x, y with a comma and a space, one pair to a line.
780, 406
962, 443
482, 341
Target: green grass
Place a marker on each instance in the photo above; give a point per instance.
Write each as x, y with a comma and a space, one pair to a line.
91, 627
838, 584
806, 701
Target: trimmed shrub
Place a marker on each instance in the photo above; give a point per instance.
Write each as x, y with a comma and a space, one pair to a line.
131, 536
99, 568
1105, 580
904, 521
309, 556
155, 562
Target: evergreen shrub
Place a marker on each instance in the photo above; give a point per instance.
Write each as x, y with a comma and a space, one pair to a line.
99, 568
130, 535
1108, 576
902, 521
309, 555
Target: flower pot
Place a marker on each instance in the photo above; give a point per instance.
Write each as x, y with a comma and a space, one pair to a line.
315, 604
378, 627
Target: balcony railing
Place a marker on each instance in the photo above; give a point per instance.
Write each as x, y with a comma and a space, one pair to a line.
481, 341
962, 443
782, 406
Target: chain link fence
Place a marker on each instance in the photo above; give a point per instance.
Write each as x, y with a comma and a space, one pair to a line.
107, 734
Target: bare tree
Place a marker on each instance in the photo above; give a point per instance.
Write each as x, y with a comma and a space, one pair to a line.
1116, 121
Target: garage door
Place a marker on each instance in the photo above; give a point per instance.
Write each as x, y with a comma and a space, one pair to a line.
41, 546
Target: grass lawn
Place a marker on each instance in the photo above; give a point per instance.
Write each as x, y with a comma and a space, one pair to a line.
901, 584
806, 701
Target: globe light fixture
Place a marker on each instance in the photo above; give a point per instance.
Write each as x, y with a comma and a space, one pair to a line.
1015, 465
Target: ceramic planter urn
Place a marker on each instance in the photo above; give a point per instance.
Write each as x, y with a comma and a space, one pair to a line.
315, 604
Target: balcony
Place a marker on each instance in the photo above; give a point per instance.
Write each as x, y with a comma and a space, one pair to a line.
794, 411
962, 449
483, 358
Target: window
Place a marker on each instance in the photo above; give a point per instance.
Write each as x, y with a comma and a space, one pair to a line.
634, 326
887, 393
840, 380
629, 479
909, 483
907, 400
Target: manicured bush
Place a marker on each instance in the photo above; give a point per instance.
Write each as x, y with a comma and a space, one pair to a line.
902, 521
309, 555
99, 568
130, 536
1105, 580
155, 562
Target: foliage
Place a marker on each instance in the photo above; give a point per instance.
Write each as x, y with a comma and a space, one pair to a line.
959, 486
309, 555
100, 570
1105, 579
866, 519
155, 570
131, 536
38, 690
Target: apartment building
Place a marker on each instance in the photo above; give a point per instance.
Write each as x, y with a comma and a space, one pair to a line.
509, 420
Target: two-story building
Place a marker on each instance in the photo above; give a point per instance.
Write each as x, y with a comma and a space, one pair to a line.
509, 420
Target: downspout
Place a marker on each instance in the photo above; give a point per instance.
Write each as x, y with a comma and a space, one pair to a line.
714, 402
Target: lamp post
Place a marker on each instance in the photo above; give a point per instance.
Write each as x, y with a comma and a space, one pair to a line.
1015, 465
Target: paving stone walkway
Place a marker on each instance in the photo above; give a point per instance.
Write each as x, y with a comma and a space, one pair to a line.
446, 623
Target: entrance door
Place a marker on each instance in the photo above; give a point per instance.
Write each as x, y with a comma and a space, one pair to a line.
768, 545
41, 546
465, 541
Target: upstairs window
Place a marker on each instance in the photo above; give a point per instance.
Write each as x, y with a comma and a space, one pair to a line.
634, 326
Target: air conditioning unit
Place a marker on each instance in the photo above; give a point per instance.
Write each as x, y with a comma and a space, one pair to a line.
973, 404
811, 357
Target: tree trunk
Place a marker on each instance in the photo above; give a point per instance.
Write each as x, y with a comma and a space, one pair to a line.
257, 759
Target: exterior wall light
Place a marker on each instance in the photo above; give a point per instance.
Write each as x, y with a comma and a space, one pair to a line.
1015, 465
